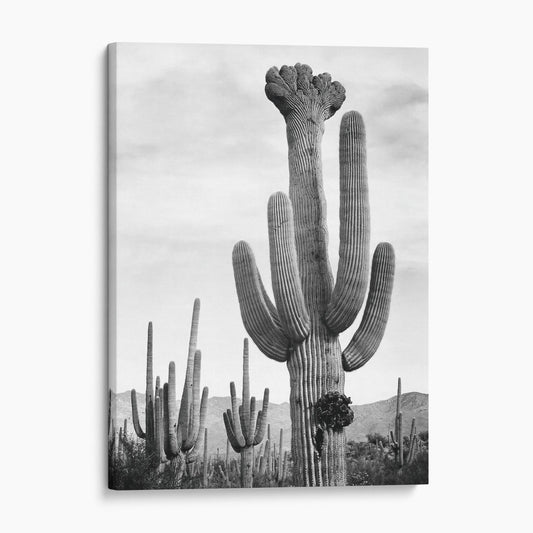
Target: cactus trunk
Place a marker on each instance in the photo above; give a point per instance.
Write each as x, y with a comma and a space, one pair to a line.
315, 367
247, 463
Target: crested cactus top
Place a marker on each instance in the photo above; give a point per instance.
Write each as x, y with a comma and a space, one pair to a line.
294, 89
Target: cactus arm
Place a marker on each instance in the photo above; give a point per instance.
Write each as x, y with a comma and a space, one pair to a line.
284, 264
230, 420
260, 424
166, 439
202, 422
230, 432
262, 465
173, 444
251, 429
186, 397
195, 407
135, 413
267, 456
236, 418
368, 336
245, 420
262, 419
203, 409
399, 396
241, 420
257, 319
410, 453
150, 404
270, 306
352, 273
157, 390
158, 445
280, 466
400, 438
205, 463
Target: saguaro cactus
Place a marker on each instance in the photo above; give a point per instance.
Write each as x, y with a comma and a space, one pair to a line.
159, 425
310, 310
205, 463
412, 442
149, 433
184, 430
243, 428
396, 436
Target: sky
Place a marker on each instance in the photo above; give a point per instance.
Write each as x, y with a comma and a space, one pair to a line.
199, 151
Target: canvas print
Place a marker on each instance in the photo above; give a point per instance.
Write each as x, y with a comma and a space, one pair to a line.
267, 266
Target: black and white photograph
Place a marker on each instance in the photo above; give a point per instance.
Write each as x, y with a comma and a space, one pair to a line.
255, 254
269, 266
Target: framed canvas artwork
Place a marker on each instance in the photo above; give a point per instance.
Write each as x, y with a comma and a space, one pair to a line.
267, 266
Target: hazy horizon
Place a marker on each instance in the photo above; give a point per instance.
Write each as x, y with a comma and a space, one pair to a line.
199, 151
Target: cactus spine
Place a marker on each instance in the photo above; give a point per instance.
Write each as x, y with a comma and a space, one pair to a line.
244, 428
149, 434
310, 311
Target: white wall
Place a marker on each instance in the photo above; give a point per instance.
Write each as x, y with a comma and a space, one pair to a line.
52, 284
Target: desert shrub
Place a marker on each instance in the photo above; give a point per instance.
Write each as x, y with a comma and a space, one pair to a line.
424, 435
359, 450
133, 470
368, 465
376, 438
416, 473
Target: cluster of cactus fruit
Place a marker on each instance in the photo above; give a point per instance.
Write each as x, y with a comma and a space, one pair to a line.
302, 326
333, 411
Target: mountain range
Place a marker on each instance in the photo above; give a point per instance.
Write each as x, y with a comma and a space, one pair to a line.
377, 417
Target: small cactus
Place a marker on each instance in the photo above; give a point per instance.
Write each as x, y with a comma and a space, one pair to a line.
396, 436
244, 429
412, 442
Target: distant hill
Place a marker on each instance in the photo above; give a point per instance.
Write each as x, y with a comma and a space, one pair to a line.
369, 418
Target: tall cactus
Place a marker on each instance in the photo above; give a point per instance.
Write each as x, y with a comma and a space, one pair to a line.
205, 463
149, 433
310, 310
159, 425
244, 429
184, 429
396, 436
